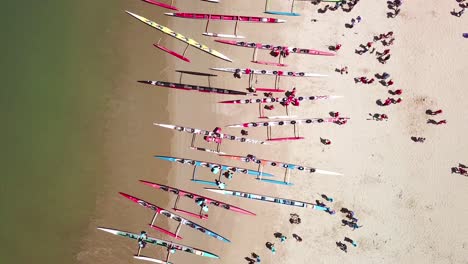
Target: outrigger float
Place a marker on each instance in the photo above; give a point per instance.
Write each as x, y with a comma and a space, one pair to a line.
277, 73
171, 247
271, 199
189, 41
280, 13
202, 201
287, 166
190, 87
277, 51
182, 221
294, 123
217, 169
209, 136
237, 18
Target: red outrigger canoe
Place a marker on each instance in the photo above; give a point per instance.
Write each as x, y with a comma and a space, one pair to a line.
227, 17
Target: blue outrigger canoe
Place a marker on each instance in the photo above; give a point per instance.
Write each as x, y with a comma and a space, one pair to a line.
210, 165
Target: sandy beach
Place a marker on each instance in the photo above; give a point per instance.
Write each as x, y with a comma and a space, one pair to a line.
409, 204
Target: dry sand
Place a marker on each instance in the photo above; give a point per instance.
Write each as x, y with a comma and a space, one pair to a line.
411, 208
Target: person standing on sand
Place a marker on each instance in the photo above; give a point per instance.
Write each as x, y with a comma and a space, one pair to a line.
238, 73
221, 185
272, 248
396, 92
283, 238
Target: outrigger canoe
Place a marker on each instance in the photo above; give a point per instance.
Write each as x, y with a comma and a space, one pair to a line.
292, 122
209, 133
227, 17
269, 72
279, 164
197, 88
270, 100
194, 196
210, 165
160, 242
180, 37
270, 199
178, 218
271, 47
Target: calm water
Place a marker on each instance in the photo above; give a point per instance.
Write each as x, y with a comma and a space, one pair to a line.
56, 74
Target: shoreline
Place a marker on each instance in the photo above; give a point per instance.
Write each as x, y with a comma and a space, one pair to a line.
384, 175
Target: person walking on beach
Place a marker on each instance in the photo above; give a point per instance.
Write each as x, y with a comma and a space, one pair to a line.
326, 197
388, 101
349, 240
342, 246
325, 141
396, 92
430, 112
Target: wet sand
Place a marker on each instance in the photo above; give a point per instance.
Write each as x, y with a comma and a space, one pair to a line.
402, 192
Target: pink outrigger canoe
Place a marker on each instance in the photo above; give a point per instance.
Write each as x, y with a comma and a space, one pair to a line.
253, 19
271, 47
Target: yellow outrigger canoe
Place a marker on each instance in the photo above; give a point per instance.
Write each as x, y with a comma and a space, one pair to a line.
178, 36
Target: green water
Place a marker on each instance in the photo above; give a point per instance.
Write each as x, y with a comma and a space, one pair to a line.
55, 76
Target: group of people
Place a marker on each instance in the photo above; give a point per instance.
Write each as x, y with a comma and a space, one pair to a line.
277, 51
394, 7
364, 80
390, 101
386, 39
379, 117
345, 5
463, 4
323, 206
432, 121
353, 22
460, 169
290, 99
351, 221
